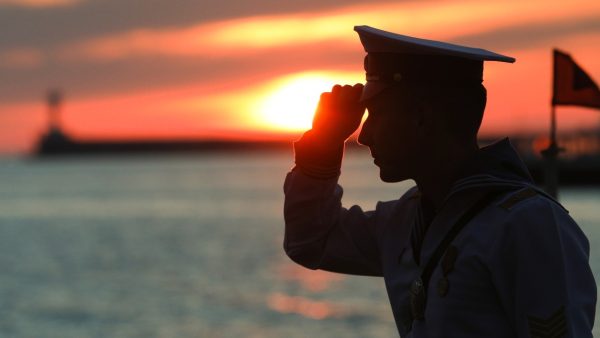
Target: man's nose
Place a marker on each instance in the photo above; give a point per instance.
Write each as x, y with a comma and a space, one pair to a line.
366, 133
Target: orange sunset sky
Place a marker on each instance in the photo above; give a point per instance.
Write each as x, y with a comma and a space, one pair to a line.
254, 69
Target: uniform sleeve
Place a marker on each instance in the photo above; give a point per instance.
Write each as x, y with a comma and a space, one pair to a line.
539, 265
321, 234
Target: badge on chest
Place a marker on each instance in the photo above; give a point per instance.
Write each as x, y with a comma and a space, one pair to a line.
418, 296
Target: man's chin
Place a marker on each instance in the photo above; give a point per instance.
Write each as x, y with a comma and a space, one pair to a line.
392, 176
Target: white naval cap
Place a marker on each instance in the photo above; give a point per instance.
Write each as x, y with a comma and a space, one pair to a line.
395, 58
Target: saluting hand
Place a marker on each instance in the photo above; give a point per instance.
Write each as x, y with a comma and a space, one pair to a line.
339, 113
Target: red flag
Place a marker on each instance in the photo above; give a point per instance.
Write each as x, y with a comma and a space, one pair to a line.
572, 85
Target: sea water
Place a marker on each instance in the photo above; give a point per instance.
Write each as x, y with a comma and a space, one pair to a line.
184, 246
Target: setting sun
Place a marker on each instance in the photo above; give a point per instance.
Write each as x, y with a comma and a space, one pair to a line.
291, 104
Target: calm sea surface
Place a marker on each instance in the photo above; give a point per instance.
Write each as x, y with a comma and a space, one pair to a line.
183, 246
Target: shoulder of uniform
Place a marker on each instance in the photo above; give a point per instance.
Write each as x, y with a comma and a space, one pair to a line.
402, 205
410, 195
512, 199
407, 198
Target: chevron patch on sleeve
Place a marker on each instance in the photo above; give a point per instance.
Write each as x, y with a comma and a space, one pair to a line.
555, 326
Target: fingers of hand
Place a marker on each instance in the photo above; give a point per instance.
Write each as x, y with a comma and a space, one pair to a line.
358, 89
335, 90
346, 94
350, 100
324, 100
323, 110
340, 111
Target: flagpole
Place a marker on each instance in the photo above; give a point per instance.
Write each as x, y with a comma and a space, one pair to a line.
553, 125
550, 155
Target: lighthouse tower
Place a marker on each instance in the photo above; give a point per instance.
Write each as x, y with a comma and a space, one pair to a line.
54, 100
53, 141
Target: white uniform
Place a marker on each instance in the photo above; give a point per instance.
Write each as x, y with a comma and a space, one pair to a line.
521, 268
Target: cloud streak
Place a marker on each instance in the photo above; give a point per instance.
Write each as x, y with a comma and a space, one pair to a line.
38, 4
92, 18
21, 58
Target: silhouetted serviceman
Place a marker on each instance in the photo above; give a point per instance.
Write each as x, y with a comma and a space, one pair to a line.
475, 249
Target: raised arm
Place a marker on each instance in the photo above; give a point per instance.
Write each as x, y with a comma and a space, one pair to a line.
319, 232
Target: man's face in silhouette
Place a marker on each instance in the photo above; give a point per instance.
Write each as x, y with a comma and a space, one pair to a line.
391, 133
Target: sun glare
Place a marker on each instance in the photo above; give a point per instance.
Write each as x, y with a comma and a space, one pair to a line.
291, 104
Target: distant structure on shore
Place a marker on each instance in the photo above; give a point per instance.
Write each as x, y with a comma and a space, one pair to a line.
55, 142
579, 163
